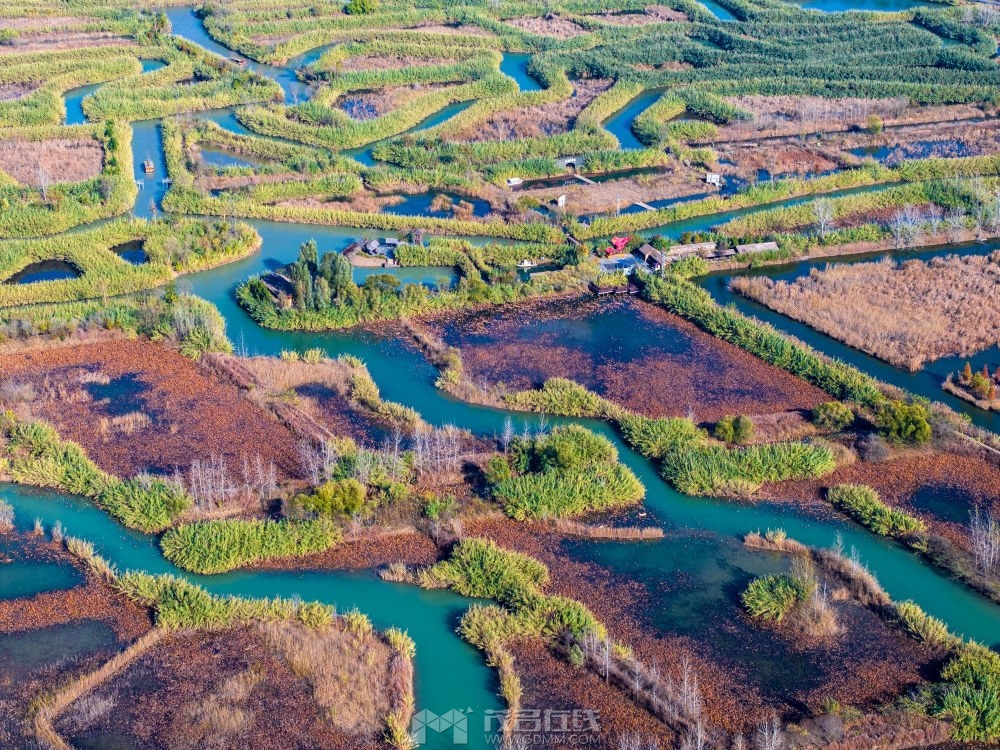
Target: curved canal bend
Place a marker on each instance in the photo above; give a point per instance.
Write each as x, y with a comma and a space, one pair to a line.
702, 543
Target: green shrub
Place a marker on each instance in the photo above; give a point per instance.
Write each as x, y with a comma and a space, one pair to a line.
220, 546
560, 396
904, 423
972, 695
718, 470
772, 597
497, 470
863, 504
560, 494
923, 627
833, 415
737, 429
336, 498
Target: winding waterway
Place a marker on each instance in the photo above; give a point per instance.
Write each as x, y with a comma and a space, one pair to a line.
702, 548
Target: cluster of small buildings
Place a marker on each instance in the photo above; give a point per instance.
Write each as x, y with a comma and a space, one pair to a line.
616, 258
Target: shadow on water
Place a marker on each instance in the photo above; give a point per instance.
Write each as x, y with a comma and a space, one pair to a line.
945, 502
124, 394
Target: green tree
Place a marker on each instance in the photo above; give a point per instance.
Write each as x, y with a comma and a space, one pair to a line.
902, 422
359, 7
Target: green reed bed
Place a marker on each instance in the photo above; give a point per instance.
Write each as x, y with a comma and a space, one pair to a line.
33, 212
226, 544
172, 247
567, 472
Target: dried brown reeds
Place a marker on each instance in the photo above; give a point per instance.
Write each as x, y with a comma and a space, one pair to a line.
905, 313
590, 531
348, 670
43, 163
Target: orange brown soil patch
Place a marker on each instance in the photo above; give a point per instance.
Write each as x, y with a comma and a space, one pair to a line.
60, 159
228, 688
906, 313
367, 551
548, 25
545, 119
778, 159
137, 406
631, 352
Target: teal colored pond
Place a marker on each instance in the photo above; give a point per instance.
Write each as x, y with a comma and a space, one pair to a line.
515, 64
23, 574
718, 10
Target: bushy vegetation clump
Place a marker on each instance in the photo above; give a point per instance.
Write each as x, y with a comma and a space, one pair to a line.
717, 470
773, 597
904, 422
178, 603
564, 473
971, 697
479, 568
324, 295
222, 545
194, 325
738, 429
833, 415
863, 505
